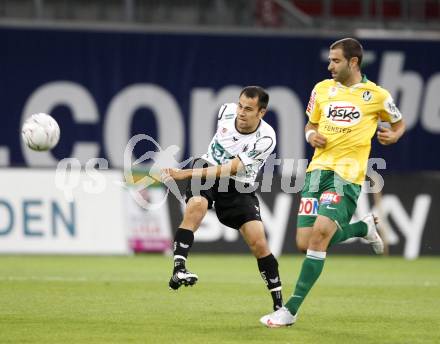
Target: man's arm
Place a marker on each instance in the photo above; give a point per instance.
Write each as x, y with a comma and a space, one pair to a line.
226, 170
388, 136
315, 139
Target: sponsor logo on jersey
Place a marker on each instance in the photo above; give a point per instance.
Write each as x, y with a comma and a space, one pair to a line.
329, 197
367, 96
308, 206
311, 103
335, 129
219, 153
343, 113
234, 138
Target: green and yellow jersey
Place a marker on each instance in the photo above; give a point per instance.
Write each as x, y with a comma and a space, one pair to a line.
348, 118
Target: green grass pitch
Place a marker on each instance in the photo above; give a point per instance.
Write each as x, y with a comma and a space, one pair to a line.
358, 300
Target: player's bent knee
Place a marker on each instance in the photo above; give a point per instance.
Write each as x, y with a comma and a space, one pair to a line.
259, 248
195, 211
197, 204
324, 228
320, 237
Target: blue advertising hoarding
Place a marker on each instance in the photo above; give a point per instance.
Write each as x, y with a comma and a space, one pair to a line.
103, 87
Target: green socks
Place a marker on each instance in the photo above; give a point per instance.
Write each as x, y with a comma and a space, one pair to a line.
310, 271
358, 229
314, 263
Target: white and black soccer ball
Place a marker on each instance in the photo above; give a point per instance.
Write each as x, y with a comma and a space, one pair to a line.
40, 132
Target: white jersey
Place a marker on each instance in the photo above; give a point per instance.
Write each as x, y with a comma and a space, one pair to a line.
253, 149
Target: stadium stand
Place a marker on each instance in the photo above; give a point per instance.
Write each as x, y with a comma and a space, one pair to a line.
281, 14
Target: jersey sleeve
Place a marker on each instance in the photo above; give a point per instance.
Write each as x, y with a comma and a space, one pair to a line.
221, 112
313, 110
390, 112
257, 155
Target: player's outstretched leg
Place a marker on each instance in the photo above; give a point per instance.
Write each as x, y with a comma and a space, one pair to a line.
181, 276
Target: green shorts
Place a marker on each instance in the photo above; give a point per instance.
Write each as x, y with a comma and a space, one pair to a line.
326, 193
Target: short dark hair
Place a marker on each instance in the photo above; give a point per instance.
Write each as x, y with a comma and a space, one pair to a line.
256, 91
350, 48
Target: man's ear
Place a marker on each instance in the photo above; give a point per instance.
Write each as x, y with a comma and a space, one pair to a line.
354, 62
262, 112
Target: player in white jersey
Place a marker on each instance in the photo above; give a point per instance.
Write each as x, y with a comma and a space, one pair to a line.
225, 177
251, 148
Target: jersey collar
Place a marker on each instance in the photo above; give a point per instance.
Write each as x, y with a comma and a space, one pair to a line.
235, 124
364, 80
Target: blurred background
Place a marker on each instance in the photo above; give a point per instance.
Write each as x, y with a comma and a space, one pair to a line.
109, 70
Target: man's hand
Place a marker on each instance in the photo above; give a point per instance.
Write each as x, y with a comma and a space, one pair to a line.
168, 174
317, 140
386, 136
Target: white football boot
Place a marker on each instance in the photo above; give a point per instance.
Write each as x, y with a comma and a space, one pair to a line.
279, 318
373, 236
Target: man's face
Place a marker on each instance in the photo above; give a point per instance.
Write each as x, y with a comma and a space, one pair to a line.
248, 114
339, 66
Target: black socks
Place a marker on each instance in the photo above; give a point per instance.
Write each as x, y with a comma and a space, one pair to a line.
183, 241
268, 267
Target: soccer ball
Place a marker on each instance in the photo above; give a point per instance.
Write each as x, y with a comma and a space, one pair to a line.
40, 132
